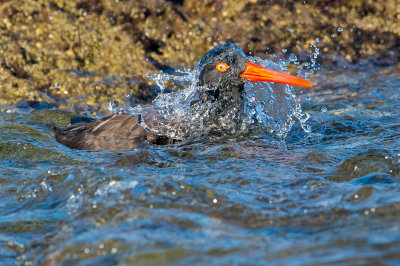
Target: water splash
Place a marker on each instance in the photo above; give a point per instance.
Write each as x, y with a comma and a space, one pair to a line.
179, 77
313, 53
275, 106
182, 113
113, 106
177, 114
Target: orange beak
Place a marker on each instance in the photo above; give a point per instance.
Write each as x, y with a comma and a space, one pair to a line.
255, 72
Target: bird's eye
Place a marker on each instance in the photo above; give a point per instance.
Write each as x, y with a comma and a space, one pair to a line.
222, 67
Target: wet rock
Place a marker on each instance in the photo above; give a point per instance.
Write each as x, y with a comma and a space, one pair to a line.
36, 105
40, 41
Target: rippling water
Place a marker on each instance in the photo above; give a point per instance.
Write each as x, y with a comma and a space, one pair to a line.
328, 196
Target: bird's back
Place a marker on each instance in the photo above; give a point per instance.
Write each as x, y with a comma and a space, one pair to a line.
118, 132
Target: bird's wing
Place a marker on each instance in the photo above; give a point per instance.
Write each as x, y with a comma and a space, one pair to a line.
119, 132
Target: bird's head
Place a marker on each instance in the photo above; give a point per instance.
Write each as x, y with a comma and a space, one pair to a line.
226, 68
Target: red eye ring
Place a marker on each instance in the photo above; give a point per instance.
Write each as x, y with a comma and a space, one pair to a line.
222, 67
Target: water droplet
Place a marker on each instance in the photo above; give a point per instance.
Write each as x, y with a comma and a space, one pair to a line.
293, 58
113, 105
340, 29
333, 35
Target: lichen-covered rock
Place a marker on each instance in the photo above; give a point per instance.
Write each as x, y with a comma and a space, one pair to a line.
90, 52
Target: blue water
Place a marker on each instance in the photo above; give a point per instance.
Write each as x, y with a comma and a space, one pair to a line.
328, 196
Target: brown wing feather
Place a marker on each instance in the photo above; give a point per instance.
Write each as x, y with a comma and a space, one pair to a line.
119, 132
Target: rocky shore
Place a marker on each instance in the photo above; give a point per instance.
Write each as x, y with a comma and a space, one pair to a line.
86, 52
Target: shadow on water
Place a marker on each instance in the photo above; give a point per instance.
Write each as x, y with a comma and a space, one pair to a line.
330, 195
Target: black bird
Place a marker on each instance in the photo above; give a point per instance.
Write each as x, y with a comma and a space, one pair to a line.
223, 71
